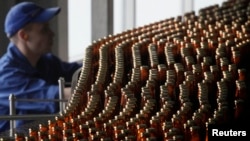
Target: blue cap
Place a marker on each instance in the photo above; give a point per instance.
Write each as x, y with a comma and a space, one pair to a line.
27, 12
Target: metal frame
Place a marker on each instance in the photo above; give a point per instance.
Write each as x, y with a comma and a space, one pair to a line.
12, 117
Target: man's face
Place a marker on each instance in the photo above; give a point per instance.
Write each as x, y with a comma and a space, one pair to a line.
40, 39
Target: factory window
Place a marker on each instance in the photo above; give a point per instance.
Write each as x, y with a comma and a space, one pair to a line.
128, 14
79, 28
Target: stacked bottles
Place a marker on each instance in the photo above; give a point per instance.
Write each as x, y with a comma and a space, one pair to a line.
164, 81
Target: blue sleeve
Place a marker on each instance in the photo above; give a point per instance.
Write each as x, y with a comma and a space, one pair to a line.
61, 68
28, 88
69, 69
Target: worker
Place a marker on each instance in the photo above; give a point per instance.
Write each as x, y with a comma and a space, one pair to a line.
28, 69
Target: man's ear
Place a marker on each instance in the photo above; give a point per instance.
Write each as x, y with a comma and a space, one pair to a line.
22, 35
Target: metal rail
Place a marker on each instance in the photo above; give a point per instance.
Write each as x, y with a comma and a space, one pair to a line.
27, 117
12, 117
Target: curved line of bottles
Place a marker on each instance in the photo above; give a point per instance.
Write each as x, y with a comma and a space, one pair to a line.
164, 81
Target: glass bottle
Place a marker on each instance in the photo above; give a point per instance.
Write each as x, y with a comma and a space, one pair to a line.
144, 74
19, 137
239, 110
241, 90
242, 74
33, 133
141, 128
195, 133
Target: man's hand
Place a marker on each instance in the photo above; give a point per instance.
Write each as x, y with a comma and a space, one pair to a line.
67, 93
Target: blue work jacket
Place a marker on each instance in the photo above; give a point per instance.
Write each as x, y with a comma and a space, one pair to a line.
18, 77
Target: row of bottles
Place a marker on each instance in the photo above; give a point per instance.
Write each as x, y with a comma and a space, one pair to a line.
167, 80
